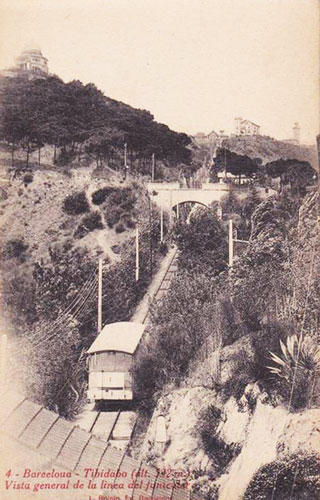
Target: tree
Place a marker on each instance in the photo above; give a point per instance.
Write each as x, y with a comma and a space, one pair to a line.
102, 142
295, 173
203, 244
295, 477
229, 161
242, 165
299, 175
72, 115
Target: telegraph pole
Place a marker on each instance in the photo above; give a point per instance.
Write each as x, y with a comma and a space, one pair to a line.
161, 223
151, 231
137, 254
230, 243
125, 160
100, 296
152, 169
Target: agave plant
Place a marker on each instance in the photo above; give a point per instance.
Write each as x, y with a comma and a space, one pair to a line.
301, 354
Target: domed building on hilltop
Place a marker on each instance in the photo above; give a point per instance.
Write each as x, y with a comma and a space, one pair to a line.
31, 59
31, 63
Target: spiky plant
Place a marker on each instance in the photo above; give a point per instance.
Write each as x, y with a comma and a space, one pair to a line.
297, 354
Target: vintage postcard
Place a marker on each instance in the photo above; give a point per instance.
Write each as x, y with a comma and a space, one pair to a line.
159, 250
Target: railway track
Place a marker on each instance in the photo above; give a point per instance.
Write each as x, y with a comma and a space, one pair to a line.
117, 424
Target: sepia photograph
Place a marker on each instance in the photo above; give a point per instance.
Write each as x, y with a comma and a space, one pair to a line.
159, 250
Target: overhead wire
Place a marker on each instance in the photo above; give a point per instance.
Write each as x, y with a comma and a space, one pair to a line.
55, 333
89, 285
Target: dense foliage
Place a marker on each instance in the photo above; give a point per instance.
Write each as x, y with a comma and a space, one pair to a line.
297, 174
226, 160
295, 477
202, 242
254, 305
294, 174
180, 327
52, 300
78, 119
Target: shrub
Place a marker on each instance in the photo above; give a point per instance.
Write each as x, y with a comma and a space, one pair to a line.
131, 224
13, 249
122, 197
263, 341
27, 179
100, 196
206, 488
219, 452
163, 248
208, 423
120, 228
113, 215
116, 249
202, 243
296, 477
129, 201
148, 376
64, 157
3, 194
67, 172
297, 367
76, 204
89, 223
243, 374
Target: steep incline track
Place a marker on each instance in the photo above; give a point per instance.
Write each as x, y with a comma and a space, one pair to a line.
116, 426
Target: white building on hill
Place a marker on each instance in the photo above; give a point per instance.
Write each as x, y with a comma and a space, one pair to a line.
246, 127
31, 63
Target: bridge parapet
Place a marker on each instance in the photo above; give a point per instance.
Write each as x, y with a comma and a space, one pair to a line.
160, 186
168, 195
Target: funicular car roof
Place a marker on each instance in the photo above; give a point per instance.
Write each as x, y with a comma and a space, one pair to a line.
123, 336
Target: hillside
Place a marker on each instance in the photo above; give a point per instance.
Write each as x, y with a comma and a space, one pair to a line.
237, 416
83, 124
269, 149
55, 224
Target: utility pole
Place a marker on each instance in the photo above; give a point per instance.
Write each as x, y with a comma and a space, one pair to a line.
100, 296
230, 243
137, 254
125, 160
151, 231
152, 168
161, 223
225, 164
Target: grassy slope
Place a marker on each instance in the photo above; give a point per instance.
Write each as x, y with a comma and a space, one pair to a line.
34, 213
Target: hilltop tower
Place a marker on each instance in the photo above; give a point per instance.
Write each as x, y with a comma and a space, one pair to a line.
237, 123
296, 132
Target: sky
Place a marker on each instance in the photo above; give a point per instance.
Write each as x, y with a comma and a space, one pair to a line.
194, 64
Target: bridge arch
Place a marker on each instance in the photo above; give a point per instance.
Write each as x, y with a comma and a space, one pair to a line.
183, 202
184, 209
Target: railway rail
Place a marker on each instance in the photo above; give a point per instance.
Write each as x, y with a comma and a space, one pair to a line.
116, 422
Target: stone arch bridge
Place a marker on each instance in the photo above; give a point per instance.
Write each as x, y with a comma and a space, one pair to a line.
169, 195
